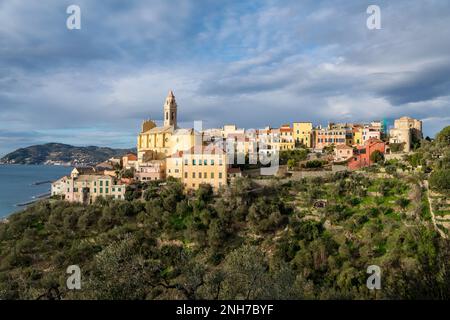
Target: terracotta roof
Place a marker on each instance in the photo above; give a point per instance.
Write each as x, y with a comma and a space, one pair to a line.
178, 154
163, 129
343, 146
130, 156
83, 170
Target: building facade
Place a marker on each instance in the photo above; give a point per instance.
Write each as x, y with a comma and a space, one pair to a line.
156, 143
199, 165
86, 188
302, 134
342, 153
332, 135
152, 170
406, 130
361, 157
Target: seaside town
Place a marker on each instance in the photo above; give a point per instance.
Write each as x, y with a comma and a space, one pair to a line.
217, 156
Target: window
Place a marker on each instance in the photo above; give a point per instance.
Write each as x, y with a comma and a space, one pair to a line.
193, 174
205, 162
212, 175
113, 190
212, 162
200, 175
220, 175
220, 162
185, 175
193, 162
101, 183
107, 183
106, 190
119, 189
101, 190
199, 162
95, 190
185, 162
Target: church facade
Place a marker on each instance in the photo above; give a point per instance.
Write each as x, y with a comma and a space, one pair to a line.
157, 143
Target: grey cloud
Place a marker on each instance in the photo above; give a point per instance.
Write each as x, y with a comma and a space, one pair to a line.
432, 81
240, 62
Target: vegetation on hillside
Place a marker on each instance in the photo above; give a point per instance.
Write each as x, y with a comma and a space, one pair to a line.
58, 152
292, 239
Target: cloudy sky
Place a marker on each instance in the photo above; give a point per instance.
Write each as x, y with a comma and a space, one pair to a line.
252, 63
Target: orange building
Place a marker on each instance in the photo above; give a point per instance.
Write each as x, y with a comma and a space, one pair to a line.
361, 157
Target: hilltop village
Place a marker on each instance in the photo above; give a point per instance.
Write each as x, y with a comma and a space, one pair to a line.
217, 156
192, 215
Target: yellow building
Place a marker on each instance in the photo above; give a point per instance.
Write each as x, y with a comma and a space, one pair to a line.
156, 143
358, 136
199, 165
286, 138
86, 188
302, 133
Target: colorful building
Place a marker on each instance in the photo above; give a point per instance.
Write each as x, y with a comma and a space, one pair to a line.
152, 170
361, 156
332, 135
342, 153
129, 161
156, 143
86, 188
286, 138
199, 165
302, 133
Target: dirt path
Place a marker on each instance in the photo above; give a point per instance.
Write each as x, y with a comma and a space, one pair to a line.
433, 218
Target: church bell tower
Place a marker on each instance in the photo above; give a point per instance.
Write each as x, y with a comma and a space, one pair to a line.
170, 110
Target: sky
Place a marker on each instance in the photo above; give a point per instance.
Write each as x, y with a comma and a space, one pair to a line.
249, 63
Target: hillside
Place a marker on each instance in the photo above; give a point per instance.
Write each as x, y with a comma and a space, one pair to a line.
246, 242
58, 153
239, 245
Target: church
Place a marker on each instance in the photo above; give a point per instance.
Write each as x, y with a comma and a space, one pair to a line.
158, 143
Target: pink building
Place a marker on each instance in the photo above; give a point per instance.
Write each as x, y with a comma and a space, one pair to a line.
342, 152
153, 170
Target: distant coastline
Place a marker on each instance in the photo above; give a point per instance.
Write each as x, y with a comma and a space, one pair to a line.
24, 184
59, 154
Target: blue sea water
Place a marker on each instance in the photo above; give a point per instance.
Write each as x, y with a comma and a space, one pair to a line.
17, 184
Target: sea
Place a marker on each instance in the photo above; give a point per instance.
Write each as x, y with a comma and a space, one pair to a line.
21, 184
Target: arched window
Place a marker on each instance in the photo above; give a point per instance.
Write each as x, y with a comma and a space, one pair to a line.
167, 116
